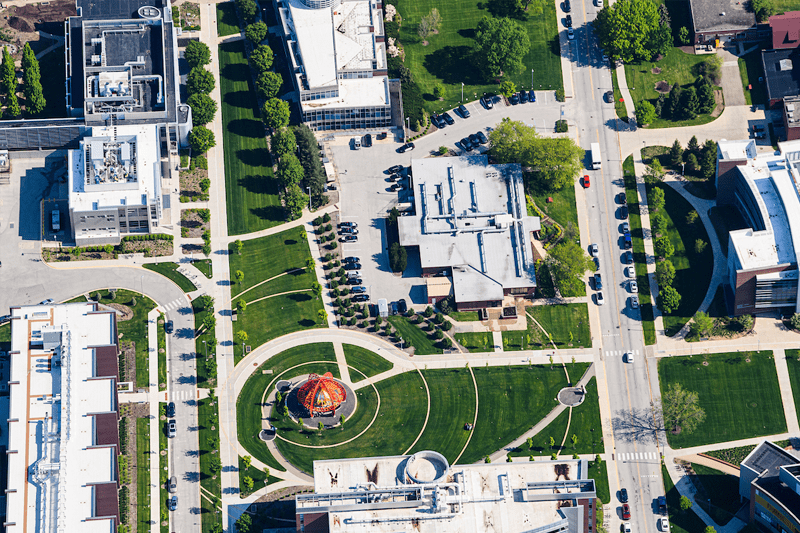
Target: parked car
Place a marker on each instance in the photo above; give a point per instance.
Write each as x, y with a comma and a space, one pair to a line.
663, 524
626, 527
172, 503
358, 290
367, 140
438, 122
662, 505
465, 144
570, 34
393, 308
169, 327
402, 307
405, 148
633, 286
627, 241
594, 250
626, 511
396, 187
170, 410
514, 99
172, 487
634, 302
627, 258
348, 230
623, 495
567, 6
351, 259
348, 238
623, 212
447, 118
395, 177
625, 227
630, 272
473, 138
758, 127
355, 265
598, 282
622, 198
600, 299
395, 169
353, 274
463, 111
568, 21
609, 97
360, 298
348, 225
531, 96
486, 101
46, 302
586, 182
354, 281
523, 97
356, 143
482, 137
172, 429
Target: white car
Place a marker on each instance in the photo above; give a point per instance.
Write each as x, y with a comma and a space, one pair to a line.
634, 302
629, 357
630, 272
594, 250
357, 143
626, 527
663, 524
570, 33
600, 299
634, 286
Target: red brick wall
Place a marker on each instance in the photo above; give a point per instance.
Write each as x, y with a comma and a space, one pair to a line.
745, 290
725, 175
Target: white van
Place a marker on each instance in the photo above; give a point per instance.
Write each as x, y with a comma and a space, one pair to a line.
356, 143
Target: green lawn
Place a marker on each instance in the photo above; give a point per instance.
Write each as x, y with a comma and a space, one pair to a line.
170, 270
680, 521
464, 316
559, 321
445, 58
751, 70
619, 104
267, 257
722, 489
735, 456
367, 362
227, 21
164, 469
142, 474
205, 345
402, 413
5, 337
676, 67
781, 6
639, 257
208, 417
692, 270
740, 399
562, 209
476, 342
259, 477
251, 190
598, 470
452, 406
414, 336
162, 353
511, 400
204, 266
793, 362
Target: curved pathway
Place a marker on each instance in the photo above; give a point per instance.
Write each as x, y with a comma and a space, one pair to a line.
234, 296
279, 294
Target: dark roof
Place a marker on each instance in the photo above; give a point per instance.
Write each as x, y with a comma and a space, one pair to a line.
785, 30
721, 15
105, 362
313, 522
780, 493
106, 429
106, 500
768, 457
116, 9
781, 81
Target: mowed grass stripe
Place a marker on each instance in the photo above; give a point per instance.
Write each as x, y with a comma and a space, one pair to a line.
366, 361
251, 190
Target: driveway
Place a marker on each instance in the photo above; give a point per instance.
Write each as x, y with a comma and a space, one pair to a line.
732, 88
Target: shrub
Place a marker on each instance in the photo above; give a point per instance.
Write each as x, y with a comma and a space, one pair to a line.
561, 126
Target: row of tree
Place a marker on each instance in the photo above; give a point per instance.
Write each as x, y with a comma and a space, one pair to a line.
274, 112
698, 160
31, 83
248, 9
681, 104
199, 83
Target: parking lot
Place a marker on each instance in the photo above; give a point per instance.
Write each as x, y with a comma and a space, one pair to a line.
366, 198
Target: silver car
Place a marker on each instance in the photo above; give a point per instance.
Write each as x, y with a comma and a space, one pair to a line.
173, 485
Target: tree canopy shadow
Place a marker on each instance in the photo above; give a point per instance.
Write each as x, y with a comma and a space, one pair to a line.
269, 212
448, 64
242, 99
236, 72
254, 157
246, 127
637, 424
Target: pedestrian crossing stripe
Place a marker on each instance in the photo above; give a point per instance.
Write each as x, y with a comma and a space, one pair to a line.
183, 395
174, 304
637, 456
619, 353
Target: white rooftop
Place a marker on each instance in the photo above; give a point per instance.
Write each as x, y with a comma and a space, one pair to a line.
472, 216
52, 397
736, 150
373, 91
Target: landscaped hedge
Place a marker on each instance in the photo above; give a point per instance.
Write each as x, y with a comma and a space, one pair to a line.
148, 237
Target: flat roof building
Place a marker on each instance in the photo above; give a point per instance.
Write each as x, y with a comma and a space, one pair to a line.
769, 477
337, 52
472, 225
762, 258
423, 493
63, 429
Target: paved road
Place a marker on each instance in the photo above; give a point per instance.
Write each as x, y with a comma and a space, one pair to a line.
628, 383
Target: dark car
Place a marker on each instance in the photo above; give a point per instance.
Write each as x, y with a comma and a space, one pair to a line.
531, 96
662, 505
621, 198
609, 96
623, 212
758, 127
405, 148
568, 21
358, 290
172, 503
626, 511
169, 327
351, 259
486, 101
393, 308
627, 258
598, 282
170, 410
348, 230
447, 118
348, 225
367, 142
514, 99
623, 495
482, 138
463, 111
348, 238
360, 298
402, 307
172, 429
354, 281
438, 122
523, 97
567, 6
395, 177
173, 485
474, 140
396, 187
465, 144
352, 266
627, 242
395, 169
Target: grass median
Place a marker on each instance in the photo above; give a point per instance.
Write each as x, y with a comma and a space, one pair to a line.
227, 20
170, 270
142, 475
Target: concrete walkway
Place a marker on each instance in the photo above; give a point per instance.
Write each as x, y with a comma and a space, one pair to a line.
341, 362
155, 447
732, 89
787, 398
711, 463
622, 81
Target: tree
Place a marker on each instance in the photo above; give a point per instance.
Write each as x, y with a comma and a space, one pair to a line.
443, 150
502, 44
248, 10
238, 276
658, 223
283, 142
655, 201
645, 113
654, 172
314, 176
197, 54
676, 154
663, 247
795, 321
705, 95
692, 217
209, 322
691, 163
262, 58
629, 30
681, 409
8, 71
693, 146
439, 91
709, 529
290, 171
574, 440
268, 84
12, 106
203, 108
247, 482
507, 88
201, 139
245, 522
699, 246
665, 273
568, 263
241, 305
397, 257
702, 324
674, 102
216, 465
763, 9
683, 35
708, 164
275, 113
238, 245
295, 200
686, 503
199, 80
206, 302
256, 32
429, 23
690, 103
668, 299
29, 61
552, 442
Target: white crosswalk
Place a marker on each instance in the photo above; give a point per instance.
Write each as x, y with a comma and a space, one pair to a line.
175, 304
619, 353
183, 395
638, 456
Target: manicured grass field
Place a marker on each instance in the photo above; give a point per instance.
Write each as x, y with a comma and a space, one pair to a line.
639, 257
414, 336
403, 407
723, 491
692, 270
142, 474
793, 362
251, 189
208, 417
740, 399
368, 362
676, 67
562, 208
227, 21
464, 316
476, 342
452, 406
781, 6
162, 353
204, 266
619, 105
259, 477
170, 270
511, 400
559, 321
751, 69
448, 57
598, 470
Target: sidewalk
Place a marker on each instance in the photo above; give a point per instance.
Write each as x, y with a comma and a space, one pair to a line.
155, 447
785, 384
627, 99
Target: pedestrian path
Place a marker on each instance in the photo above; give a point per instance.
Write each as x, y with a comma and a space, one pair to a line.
638, 457
497, 340
341, 361
152, 379
789, 408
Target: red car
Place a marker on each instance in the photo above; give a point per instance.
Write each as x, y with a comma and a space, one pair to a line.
626, 511
586, 182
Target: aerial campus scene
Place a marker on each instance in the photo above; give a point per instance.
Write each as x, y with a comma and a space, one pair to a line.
501, 266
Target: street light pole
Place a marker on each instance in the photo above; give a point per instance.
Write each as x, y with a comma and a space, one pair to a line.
531, 78
682, 166
205, 348
462, 92
309, 198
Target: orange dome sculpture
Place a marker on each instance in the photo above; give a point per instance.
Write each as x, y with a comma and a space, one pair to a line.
321, 394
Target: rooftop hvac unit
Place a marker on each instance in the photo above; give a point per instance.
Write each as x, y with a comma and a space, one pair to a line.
95, 59
785, 64
789, 107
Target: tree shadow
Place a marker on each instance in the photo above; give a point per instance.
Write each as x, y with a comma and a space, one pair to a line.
467, 33
254, 157
236, 72
258, 184
306, 323
242, 99
269, 212
448, 64
246, 127
505, 8
300, 297
637, 425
